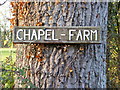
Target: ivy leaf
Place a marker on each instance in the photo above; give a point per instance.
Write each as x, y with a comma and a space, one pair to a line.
5, 42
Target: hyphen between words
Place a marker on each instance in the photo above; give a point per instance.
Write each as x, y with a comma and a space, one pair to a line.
51, 34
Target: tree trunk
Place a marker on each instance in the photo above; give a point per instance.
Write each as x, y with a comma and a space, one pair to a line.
63, 65
118, 25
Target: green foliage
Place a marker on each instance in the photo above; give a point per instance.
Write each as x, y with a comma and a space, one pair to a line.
21, 76
6, 38
7, 78
5, 52
10, 71
113, 49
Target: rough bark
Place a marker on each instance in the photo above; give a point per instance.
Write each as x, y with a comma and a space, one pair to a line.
65, 66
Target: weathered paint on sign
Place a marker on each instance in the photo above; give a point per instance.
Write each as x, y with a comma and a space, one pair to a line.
35, 34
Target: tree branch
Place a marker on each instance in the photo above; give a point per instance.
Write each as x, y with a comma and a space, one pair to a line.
3, 3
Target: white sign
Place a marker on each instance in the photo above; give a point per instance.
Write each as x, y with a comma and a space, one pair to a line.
57, 35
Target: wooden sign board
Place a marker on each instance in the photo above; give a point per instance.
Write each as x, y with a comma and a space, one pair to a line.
42, 34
